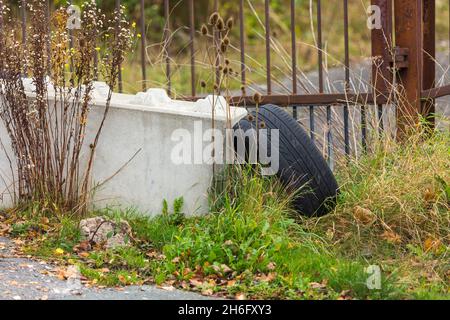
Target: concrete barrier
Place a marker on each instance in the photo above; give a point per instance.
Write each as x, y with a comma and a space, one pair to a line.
143, 126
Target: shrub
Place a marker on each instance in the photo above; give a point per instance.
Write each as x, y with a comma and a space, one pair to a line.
47, 132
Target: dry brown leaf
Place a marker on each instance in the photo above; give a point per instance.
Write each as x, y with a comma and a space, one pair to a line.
431, 244
83, 254
122, 279
152, 254
241, 296
225, 268
176, 260
82, 246
231, 283
391, 236
195, 282
317, 285
363, 216
167, 288
186, 271
267, 277
429, 195
45, 220
207, 292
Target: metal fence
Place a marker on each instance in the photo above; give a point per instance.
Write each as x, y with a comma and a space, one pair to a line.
402, 73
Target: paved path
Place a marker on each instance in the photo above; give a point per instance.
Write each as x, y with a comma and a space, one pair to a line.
22, 278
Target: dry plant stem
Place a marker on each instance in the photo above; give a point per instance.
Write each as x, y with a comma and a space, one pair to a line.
47, 137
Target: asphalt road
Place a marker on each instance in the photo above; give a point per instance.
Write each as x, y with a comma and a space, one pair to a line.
23, 278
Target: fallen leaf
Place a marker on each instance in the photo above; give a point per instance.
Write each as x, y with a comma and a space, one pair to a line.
345, 295
195, 282
45, 220
267, 277
431, 244
363, 216
391, 236
241, 296
207, 292
225, 268
176, 260
271, 266
167, 288
82, 246
122, 279
83, 254
429, 195
231, 283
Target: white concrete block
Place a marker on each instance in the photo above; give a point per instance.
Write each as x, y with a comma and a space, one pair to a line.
142, 123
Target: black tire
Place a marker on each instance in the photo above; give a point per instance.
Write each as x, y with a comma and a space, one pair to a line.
301, 165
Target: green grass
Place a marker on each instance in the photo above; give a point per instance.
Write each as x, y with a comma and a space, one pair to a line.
253, 244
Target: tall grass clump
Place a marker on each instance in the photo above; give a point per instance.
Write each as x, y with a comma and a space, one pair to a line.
47, 127
395, 200
250, 242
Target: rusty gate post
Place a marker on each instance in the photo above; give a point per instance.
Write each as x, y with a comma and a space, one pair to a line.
414, 37
382, 76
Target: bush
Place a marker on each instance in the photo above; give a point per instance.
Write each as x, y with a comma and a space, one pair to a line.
47, 133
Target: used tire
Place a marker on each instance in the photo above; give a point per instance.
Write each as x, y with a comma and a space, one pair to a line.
301, 165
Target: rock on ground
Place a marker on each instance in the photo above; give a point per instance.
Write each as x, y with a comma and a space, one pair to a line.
101, 230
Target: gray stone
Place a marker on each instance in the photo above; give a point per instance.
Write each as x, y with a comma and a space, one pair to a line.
101, 230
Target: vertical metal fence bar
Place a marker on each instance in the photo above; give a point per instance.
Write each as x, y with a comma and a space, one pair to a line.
311, 122
294, 57
191, 45
329, 137
120, 67
380, 119
242, 44
320, 53
347, 78
143, 46
319, 44
166, 45
268, 62
363, 128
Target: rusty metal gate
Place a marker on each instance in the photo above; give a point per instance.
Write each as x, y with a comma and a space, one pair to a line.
403, 65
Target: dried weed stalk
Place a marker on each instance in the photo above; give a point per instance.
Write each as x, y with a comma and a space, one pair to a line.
47, 127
